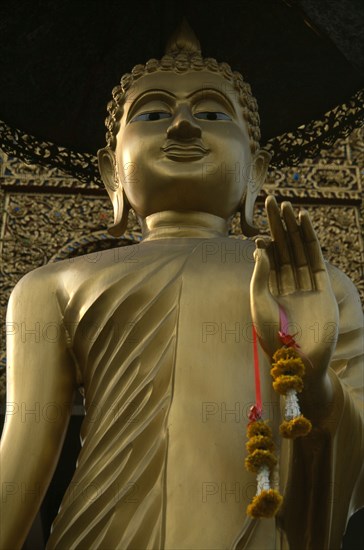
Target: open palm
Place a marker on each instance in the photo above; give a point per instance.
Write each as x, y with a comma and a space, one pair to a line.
290, 272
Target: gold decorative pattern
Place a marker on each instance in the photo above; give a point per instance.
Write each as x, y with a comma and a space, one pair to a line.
310, 139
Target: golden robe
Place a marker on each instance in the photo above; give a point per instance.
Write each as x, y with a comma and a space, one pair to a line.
161, 336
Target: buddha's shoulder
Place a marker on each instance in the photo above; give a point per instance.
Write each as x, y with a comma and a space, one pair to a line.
73, 272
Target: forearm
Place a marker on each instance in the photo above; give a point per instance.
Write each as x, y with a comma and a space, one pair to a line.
40, 392
40, 387
29, 453
324, 475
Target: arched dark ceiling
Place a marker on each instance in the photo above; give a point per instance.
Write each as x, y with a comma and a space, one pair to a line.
61, 58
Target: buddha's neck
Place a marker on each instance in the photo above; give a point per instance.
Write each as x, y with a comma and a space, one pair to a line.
170, 224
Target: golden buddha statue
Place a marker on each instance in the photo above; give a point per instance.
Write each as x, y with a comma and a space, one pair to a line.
159, 341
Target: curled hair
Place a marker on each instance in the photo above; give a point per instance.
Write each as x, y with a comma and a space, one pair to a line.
183, 54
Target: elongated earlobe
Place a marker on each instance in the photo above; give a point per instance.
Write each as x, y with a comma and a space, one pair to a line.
121, 214
109, 175
246, 214
258, 172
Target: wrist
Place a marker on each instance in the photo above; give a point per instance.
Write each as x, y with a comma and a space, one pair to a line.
317, 397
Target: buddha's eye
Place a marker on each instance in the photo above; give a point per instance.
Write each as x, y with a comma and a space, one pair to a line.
211, 115
154, 115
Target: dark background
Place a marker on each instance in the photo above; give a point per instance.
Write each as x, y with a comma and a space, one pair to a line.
61, 58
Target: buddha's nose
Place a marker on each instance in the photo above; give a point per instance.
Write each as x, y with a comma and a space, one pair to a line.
183, 125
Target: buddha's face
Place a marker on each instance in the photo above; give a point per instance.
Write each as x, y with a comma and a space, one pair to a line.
183, 144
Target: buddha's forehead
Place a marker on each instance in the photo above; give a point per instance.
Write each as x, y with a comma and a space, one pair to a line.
182, 85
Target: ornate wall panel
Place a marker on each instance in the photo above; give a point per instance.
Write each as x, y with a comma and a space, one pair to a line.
47, 216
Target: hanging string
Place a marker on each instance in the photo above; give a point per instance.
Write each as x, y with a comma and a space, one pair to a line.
283, 321
258, 392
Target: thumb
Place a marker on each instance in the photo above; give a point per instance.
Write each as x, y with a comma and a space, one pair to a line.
260, 278
264, 308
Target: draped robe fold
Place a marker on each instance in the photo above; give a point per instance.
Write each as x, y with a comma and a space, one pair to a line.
163, 349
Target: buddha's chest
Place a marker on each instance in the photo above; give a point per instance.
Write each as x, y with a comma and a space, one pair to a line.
166, 350
195, 296
214, 330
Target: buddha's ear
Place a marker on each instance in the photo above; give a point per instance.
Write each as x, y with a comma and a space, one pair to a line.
111, 180
256, 178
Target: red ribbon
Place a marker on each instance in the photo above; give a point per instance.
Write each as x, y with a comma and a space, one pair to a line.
256, 410
286, 339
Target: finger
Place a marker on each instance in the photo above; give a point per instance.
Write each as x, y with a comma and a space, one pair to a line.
263, 306
266, 243
302, 268
314, 253
277, 230
285, 274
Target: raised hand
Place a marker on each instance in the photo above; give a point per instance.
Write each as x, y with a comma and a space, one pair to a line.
290, 271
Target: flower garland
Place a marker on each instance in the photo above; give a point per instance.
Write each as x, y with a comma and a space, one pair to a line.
287, 372
261, 458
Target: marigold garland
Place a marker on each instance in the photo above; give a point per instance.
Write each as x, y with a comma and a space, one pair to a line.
287, 372
284, 383
265, 504
259, 428
297, 427
260, 442
261, 460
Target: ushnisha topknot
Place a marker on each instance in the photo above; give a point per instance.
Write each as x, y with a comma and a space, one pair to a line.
183, 53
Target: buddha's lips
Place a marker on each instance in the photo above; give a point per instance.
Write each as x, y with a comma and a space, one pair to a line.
183, 152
